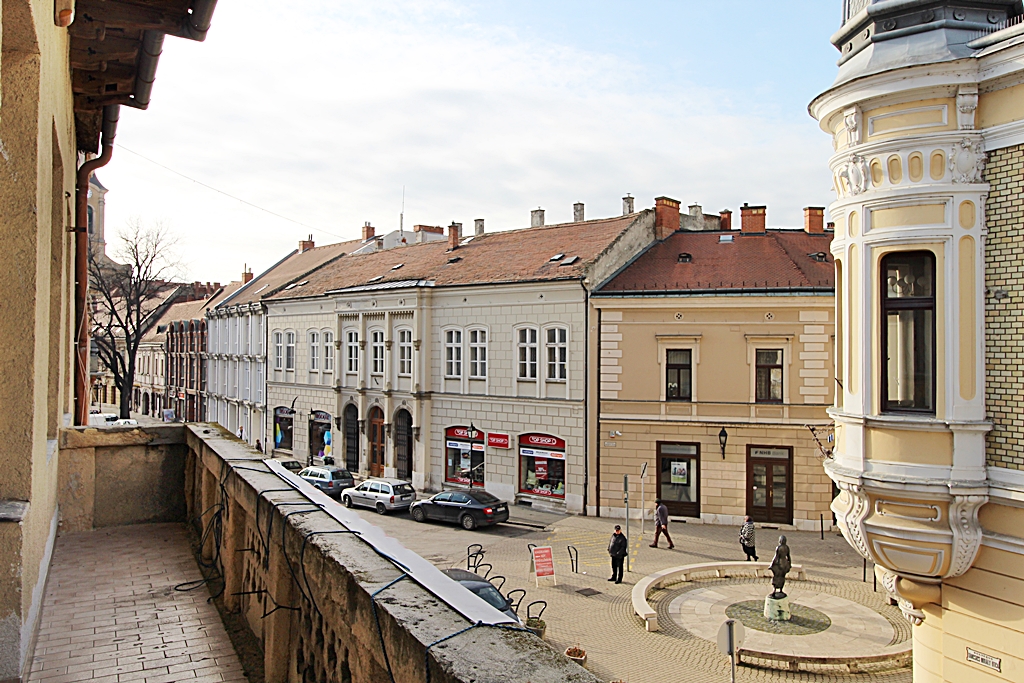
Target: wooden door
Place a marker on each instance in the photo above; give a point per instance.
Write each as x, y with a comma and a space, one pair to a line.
376, 442
770, 484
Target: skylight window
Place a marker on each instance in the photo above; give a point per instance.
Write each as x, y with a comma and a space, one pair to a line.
261, 289
292, 285
569, 261
725, 239
557, 257
376, 279
397, 267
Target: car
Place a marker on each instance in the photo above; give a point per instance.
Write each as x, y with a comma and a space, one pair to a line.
102, 419
383, 495
471, 509
124, 422
330, 480
483, 589
291, 464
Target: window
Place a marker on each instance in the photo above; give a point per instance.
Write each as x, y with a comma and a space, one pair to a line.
259, 382
314, 351
557, 350
405, 353
527, 353
352, 346
245, 381
278, 351
478, 354
768, 376
377, 351
908, 332
289, 350
328, 351
258, 334
453, 353
678, 367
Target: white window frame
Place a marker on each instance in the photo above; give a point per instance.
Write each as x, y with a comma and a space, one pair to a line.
278, 350
452, 353
289, 350
377, 352
525, 360
404, 352
314, 350
352, 352
556, 354
478, 353
328, 340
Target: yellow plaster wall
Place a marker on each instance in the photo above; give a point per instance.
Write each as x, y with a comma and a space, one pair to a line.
919, 448
898, 117
1000, 106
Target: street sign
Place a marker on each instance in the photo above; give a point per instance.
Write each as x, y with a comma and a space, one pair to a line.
730, 639
643, 470
543, 563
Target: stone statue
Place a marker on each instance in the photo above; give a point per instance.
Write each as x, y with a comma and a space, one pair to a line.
781, 564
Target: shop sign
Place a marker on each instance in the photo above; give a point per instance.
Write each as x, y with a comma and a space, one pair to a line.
284, 412
461, 445
478, 447
537, 453
543, 441
181, 395
543, 562
460, 433
495, 440
680, 473
540, 468
761, 452
321, 416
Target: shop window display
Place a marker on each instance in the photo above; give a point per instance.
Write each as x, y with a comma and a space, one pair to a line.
464, 456
542, 465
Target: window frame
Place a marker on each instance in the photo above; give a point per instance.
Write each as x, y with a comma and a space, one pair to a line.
404, 346
377, 351
523, 348
781, 365
327, 337
888, 305
289, 351
669, 367
477, 352
313, 337
554, 365
453, 341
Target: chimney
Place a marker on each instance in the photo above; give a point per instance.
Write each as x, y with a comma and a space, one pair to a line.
454, 231
696, 210
666, 217
306, 245
246, 277
752, 218
725, 219
368, 231
436, 229
537, 218
577, 212
627, 205
814, 220
478, 226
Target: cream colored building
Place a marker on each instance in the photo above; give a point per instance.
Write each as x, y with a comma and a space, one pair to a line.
927, 118
715, 364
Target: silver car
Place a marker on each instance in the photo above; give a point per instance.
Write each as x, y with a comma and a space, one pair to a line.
383, 495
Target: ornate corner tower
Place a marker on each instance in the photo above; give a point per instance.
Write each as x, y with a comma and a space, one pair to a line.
927, 121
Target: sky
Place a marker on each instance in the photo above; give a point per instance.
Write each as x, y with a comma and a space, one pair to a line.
322, 111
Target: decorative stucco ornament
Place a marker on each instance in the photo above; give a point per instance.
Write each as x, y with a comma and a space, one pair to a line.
967, 161
856, 173
966, 106
967, 532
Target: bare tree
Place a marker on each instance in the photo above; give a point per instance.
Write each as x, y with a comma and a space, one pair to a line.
128, 296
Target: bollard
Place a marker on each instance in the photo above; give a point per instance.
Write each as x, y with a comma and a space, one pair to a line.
821, 518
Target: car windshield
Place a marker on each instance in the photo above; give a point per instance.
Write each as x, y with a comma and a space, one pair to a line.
490, 594
485, 498
340, 474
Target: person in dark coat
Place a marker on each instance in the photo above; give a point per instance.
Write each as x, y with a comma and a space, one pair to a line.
661, 525
618, 547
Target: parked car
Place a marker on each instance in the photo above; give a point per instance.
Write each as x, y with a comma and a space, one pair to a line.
330, 480
124, 422
383, 495
483, 589
290, 464
471, 509
102, 419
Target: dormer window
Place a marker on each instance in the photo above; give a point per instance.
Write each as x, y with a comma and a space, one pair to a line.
820, 257
685, 258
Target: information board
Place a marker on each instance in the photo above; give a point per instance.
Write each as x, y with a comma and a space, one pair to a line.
543, 562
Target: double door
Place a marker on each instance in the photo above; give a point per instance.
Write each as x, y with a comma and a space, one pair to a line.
376, 439
770, 484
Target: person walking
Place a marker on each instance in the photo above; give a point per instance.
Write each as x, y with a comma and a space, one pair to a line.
618, 546
747, 540
259, 446
661, 524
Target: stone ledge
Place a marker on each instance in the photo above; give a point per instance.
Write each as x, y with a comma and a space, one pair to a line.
896, 659
96, 437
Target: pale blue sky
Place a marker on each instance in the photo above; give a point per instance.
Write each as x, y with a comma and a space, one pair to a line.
321, 110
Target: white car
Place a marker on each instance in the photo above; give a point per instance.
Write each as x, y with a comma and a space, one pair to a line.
124, 422
383, 495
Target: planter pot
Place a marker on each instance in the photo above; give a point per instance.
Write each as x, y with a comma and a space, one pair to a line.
582, 661
538, 629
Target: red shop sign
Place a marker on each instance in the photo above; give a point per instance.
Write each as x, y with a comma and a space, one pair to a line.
499, 440
543, 562
542, 441
461, 433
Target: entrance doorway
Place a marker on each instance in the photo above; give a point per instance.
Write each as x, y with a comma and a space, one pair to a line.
351, 418
679, 478
403, 444
376, 442
770, 484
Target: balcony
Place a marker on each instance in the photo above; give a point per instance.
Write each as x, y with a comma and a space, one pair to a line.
313, 592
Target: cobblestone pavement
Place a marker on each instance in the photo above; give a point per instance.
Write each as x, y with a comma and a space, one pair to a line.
111, 613
604, 625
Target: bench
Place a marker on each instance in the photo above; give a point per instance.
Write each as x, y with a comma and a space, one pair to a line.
719, 570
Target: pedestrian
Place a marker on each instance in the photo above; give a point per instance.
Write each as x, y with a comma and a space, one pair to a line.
747, 532
661, 524
241, 434
617, 548
259, 446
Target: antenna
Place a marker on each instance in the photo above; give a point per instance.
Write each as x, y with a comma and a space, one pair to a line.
401, 216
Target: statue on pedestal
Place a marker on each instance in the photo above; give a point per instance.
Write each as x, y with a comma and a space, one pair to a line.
781, 564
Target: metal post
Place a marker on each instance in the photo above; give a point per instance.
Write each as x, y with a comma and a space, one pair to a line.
625, 500
643, 499
821, 518
864, 572
732, 648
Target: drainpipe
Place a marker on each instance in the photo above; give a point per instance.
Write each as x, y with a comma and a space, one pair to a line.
110, 116
586, 394
597, 442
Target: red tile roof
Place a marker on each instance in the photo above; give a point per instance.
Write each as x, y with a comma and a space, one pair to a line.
777, 259
499, 257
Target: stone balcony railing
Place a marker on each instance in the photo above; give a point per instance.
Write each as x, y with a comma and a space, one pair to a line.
326, 594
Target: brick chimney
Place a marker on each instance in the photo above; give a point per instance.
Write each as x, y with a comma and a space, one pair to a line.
536, 218
577, 212
436, 229
368, 231
752, 218
814, 220
725, 219
666, 217
246, 277
627, 205
454, 234
478, 226
306, 245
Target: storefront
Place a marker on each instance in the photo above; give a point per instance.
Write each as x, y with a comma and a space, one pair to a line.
284, 419
542, 465
464, 456
320, 436
679, 478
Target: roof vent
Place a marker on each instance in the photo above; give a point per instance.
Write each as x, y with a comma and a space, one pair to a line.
685, 258
722, 239
397, 267
292, 285
820, 257
376, 279
569, 261
557, 257
454, 259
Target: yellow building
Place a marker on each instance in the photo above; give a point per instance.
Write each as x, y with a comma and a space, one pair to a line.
715, 359
927, 117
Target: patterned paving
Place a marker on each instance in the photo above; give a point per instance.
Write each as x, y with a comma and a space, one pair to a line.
803, 620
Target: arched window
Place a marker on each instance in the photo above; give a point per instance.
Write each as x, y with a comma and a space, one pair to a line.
526, 347
377, 352
453, 353
478, 354
278, 351
328, 338
289, 350
314, 351
908, 332
556, 344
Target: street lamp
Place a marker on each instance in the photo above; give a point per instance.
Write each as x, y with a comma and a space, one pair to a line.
723, 436
472, 431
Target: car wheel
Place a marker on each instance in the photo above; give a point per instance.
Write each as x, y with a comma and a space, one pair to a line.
468, 522
381, 510
347, 501
417, 515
